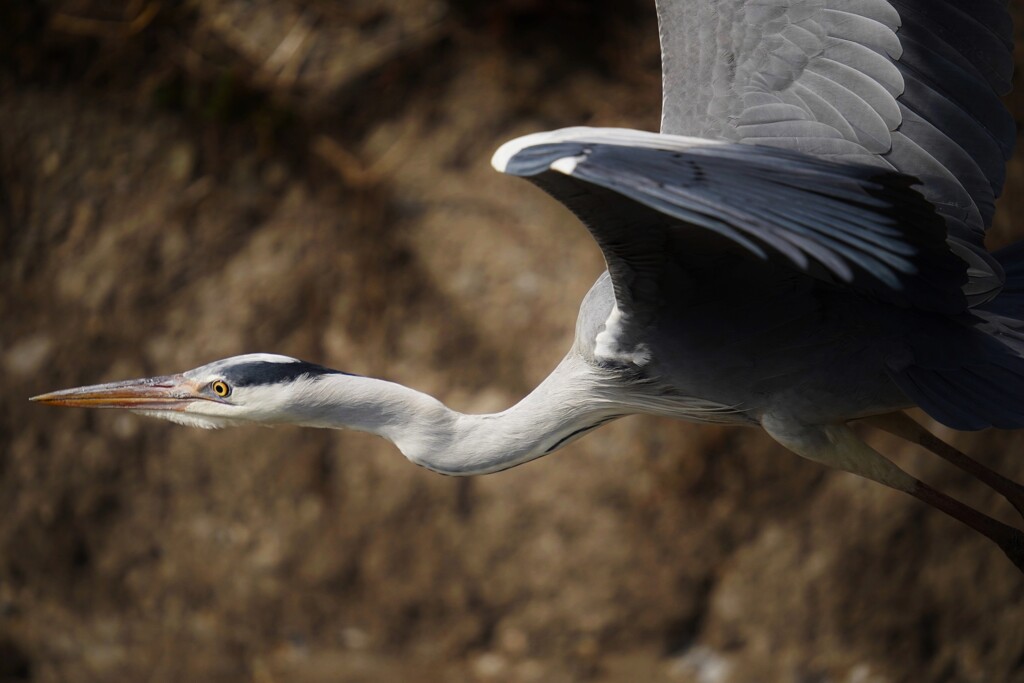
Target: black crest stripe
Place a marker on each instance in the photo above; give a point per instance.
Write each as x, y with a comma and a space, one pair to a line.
258, 373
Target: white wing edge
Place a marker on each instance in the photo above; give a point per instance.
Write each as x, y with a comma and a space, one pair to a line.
626, 137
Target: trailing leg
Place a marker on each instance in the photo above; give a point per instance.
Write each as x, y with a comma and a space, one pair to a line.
901, 425
838, 446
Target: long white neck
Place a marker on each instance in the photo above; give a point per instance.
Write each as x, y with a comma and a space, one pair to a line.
566, 405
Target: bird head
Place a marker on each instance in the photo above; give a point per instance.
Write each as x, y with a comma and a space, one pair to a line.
254, 388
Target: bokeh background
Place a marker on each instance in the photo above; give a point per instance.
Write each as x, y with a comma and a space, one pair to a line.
184, 181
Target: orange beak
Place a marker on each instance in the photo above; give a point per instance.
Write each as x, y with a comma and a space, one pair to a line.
171, 392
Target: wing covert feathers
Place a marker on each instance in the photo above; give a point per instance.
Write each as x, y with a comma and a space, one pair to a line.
910, 85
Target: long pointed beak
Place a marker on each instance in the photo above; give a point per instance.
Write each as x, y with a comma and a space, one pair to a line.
172, 392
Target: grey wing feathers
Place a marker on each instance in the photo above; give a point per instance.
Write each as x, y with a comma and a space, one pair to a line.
955, 67
857, 226
911, 85
725, 62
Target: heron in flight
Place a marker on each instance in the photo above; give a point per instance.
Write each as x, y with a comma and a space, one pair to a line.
800, 247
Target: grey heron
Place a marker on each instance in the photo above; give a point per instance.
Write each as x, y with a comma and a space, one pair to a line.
800, 247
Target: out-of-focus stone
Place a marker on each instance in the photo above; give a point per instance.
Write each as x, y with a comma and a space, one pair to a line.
26, 357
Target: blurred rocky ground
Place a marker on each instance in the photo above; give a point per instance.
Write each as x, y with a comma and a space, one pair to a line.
184, 181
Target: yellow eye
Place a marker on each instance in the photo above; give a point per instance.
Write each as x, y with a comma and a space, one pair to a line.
220, 388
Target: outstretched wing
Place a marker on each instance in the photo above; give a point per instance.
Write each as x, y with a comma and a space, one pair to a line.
645, 197
912, 85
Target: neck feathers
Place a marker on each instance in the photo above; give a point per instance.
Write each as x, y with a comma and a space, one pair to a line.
565, 406
570, 402
574, 399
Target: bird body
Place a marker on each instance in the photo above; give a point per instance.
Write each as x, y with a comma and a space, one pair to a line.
801, 246
789, 346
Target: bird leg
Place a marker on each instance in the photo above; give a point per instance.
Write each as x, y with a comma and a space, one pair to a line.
838, 446
903, 426
1009, 539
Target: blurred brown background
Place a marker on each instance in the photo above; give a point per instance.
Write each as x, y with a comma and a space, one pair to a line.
184, 181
